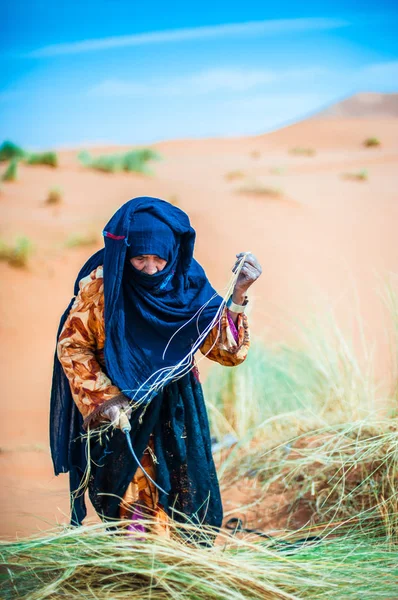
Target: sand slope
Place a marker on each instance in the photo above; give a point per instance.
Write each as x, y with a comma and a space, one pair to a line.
324, 241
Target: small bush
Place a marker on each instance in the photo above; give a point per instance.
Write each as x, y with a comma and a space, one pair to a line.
234, 175
132, 161
54, 196
257, 189
17, 255
8, 150
277, 171
255, 154
359, 176
11, 173
42, 158
299, 151
371, 142
78, 240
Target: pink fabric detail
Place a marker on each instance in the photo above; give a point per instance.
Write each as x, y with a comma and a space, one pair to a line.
135, 525
232, 327
195, 372
114, 237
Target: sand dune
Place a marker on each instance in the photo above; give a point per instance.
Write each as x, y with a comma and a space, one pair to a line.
365, 105
325, 241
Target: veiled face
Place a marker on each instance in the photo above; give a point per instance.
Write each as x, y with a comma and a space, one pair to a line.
148, 263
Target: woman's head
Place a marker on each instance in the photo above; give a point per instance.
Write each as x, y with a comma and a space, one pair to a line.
151, 243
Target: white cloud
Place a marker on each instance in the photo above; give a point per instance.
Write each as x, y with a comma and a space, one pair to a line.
268, 27
203, 82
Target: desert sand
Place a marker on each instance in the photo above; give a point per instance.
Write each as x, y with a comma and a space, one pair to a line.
324, 241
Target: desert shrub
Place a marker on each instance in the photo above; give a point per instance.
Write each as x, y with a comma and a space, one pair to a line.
42, 158
234, 175
300, 151
371, 142
16, 255
258, 189
255, 154
78, 240
11, 173
54, 196
9, 150
132, 161
358, 176
277, 170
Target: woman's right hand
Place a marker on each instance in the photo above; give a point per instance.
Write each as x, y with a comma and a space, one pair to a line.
112, 413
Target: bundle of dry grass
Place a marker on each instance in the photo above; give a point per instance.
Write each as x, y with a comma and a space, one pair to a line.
347, 472
92, 562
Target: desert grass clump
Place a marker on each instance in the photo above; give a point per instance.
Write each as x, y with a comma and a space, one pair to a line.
42, 158
338, 473
316, 381
372, 142
356, 176
78, 240
18, 254
258, 189
300, 151
11, 173
277, 171
255, 153
9, 150
234, 175
91, 562
54, 196
134, 161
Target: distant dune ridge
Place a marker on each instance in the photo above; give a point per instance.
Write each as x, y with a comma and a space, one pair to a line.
365, 104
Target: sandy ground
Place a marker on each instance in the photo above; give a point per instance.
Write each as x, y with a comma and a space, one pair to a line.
324, 242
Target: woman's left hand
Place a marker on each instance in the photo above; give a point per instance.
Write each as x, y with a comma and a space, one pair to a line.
249, 273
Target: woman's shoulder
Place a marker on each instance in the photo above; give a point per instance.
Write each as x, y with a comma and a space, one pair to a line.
92, 284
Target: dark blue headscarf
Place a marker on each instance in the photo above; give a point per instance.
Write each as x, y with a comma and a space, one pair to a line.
142, 312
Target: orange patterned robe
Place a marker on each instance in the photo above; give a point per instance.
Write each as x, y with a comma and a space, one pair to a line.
81, 352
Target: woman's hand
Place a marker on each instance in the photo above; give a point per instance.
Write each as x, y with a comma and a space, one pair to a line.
250, 272
112, 413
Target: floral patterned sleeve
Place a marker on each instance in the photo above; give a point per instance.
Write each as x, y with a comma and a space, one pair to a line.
228, 344
81, 348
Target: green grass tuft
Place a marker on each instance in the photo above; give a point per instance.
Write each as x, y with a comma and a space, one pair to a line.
91, 562
42, 158
258, 189
278, 170
11, 173
372, 142
16, 255
358, 176
9, 150
299, 151
234, 175
54, 196
134, 161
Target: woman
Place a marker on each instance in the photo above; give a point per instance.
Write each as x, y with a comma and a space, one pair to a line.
142, 307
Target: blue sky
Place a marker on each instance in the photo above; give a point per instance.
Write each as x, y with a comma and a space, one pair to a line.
126, 72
